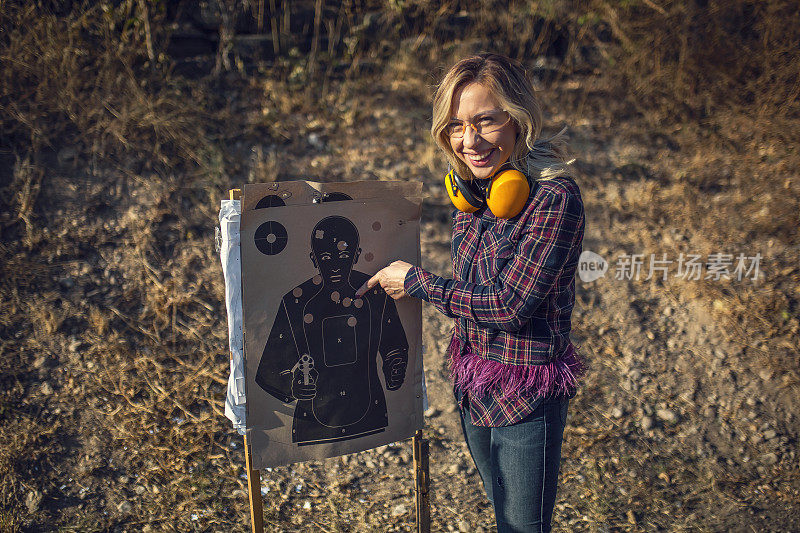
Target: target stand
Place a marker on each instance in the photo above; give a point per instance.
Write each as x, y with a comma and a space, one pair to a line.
270, 240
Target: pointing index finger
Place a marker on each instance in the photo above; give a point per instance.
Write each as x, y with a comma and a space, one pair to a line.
371, 282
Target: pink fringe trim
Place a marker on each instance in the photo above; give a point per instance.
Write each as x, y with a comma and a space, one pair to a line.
477, 376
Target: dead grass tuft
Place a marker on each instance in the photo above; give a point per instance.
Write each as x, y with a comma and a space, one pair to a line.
113, 350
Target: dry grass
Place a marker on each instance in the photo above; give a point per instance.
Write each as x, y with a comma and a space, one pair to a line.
112, 333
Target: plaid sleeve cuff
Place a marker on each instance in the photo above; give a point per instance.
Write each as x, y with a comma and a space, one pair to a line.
415, 283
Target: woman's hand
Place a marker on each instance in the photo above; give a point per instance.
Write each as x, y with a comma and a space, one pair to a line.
392, 279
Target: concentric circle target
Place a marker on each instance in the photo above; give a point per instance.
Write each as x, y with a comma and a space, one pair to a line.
335, 197
271, 200
271, 238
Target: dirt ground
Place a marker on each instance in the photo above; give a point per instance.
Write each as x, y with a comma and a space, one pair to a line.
113, 334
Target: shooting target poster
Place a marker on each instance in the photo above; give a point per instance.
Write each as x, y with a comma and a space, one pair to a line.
327, 372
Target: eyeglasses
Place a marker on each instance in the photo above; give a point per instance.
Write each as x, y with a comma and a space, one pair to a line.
481, 124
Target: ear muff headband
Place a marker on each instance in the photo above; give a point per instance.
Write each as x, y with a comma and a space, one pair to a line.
506, 195
461, 193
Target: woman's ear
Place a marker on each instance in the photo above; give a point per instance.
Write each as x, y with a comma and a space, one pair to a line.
313, 260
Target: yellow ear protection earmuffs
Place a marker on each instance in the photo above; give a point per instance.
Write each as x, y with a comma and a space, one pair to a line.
505, 194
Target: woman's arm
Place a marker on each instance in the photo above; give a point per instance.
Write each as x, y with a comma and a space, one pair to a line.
524, 281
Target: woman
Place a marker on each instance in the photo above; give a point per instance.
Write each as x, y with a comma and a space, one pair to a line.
513, 290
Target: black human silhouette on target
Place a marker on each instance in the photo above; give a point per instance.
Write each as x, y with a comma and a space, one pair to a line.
323, 347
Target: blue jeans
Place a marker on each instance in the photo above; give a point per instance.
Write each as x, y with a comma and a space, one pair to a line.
519, 465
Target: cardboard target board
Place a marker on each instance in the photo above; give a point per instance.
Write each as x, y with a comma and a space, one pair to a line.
328, 373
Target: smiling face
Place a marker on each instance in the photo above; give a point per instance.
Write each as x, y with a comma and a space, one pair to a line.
483, 154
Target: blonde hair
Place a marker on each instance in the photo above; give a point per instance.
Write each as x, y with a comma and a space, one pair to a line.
506, 80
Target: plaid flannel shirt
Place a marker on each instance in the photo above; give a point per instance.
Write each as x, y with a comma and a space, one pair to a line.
513, 289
